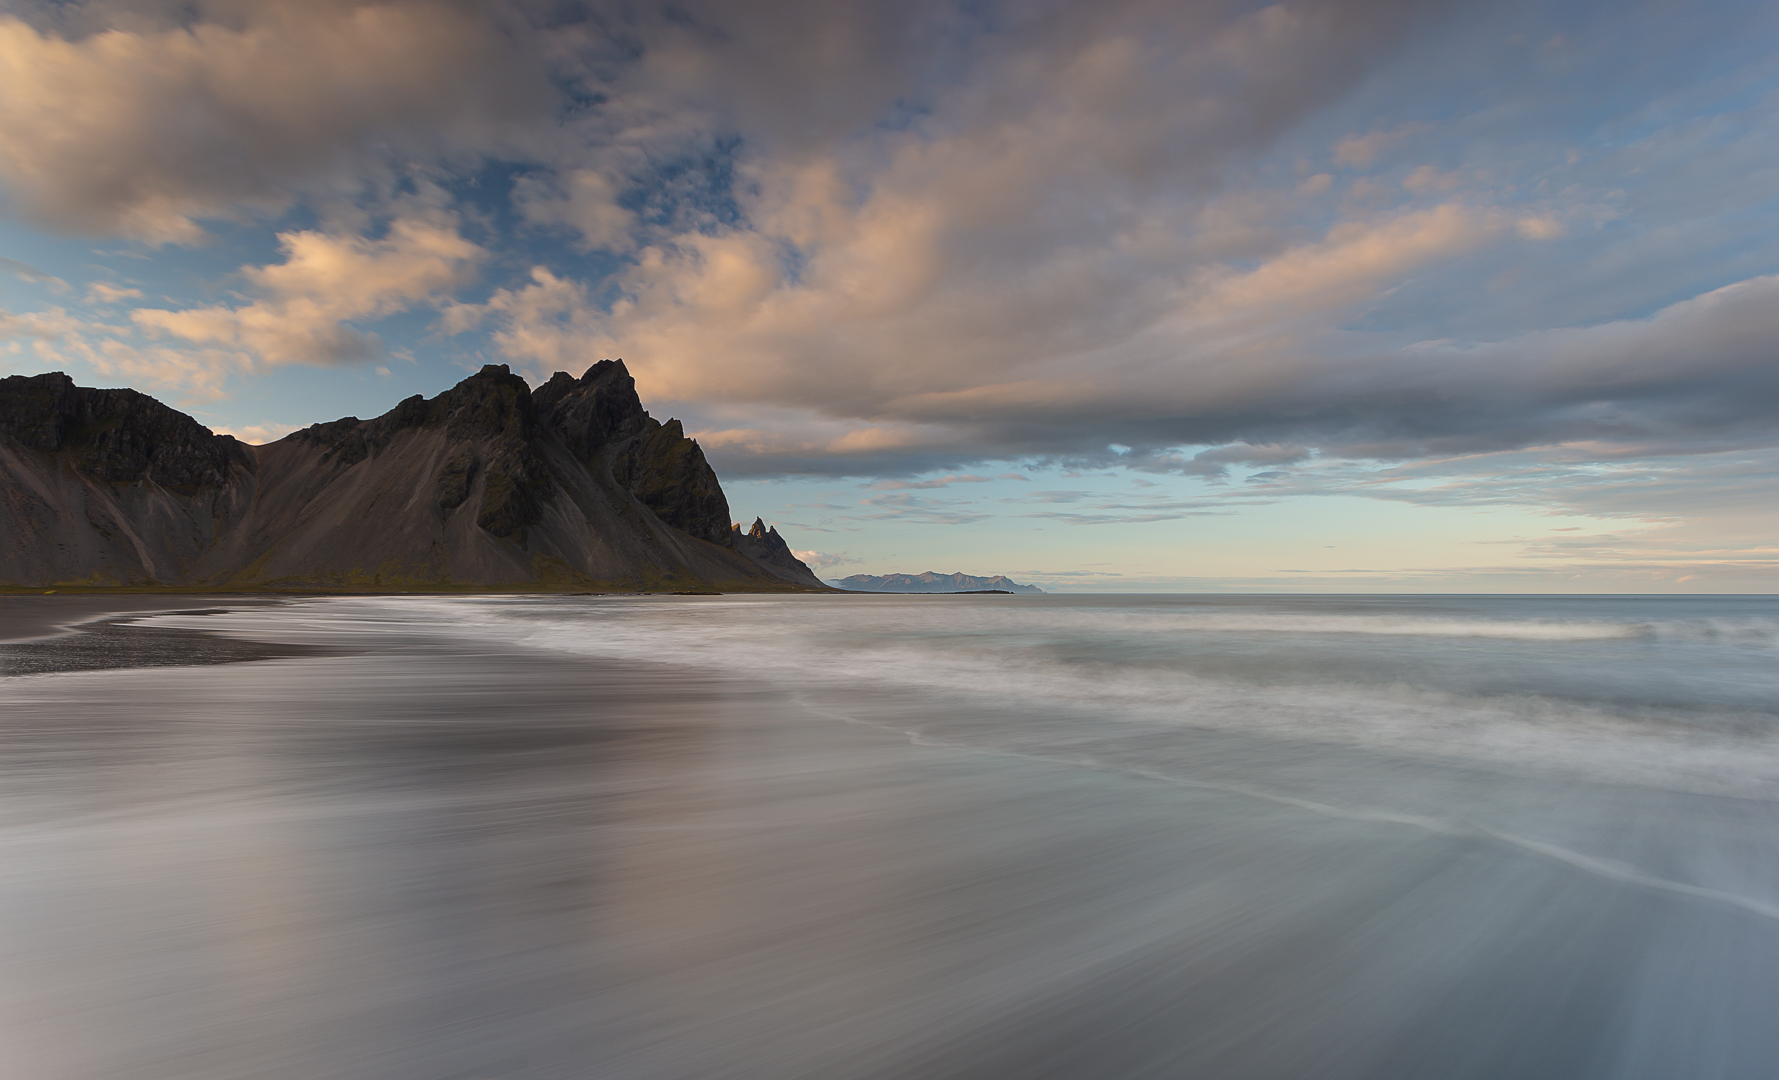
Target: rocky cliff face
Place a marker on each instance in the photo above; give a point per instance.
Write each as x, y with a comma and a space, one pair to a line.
118, 436
655, 462
109, 486
486, 485
769, 551
490, 422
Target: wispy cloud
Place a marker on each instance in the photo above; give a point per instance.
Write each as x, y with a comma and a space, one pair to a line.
821, 560
1359, 151
24, 271
900, 506
938, 482
1115, 514
307, 301
100, 292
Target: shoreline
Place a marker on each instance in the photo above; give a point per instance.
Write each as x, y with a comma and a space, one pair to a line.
26, 617
51, 613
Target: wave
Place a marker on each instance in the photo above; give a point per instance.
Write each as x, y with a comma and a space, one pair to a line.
1111, 666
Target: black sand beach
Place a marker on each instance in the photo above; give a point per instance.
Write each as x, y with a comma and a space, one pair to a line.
30, 615
95, 633
449, 849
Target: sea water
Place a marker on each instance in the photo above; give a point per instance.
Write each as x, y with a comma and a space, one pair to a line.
897, 836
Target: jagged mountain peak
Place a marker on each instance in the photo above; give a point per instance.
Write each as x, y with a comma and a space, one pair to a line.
588, 412
488, 483
764, 546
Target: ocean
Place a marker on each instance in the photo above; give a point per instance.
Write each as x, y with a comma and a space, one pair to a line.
880, 836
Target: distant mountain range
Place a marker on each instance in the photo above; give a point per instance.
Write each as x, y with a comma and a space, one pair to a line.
488, 485
930, 582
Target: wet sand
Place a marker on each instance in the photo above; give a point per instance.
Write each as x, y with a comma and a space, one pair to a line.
50, 634
431, 861
24, 616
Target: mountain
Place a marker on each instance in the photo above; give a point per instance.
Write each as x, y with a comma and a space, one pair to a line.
930, 582
488, 485
765, 547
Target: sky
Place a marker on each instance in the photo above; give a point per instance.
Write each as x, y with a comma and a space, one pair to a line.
1114, 296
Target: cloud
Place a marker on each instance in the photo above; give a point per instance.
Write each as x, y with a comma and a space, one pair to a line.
1121, 519
1696, 370
817, 560
63, 341
1048, 221
584, 200
938, 482
718, 317
905, 240
50, 325
1358, 151
139, 127
1349, 264
301, 311
1097, 510
1428, 180
258, 434
548, 325
900, 506
1215, 463
1044, 192
1044, 258
26, 272
325, 282
193, 375
99, 292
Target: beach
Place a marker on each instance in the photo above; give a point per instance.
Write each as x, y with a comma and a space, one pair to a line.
898, 836
33, 615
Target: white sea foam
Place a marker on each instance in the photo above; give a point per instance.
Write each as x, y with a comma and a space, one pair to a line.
1273, 673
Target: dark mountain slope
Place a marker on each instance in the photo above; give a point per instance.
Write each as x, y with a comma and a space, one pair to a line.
110, 486
486, 485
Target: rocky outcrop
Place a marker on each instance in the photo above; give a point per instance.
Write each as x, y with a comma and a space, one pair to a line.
655, 462
486, 485
599, 408
109, 486
930, 582
490, 420
117, 436
766, 549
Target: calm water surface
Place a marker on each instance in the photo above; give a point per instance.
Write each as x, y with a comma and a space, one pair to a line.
878, 836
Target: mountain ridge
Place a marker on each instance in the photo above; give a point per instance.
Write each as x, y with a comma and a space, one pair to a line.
487, 485
931, 582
